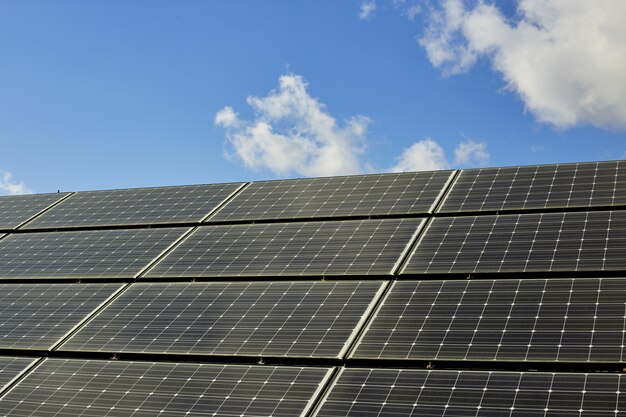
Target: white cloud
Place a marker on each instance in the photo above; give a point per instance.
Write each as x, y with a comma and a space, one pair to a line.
428, 155
367, 10
292, 132
11, 187
425, 155
226, 117
470, 152
566, 59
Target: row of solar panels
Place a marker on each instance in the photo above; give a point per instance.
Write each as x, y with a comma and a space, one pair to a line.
564, 320
102, 388
494, 189
536, 242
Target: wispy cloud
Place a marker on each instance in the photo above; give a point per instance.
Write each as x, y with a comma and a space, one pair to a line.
10, 186
565, 59
367, 10
293, 132
469, 152
424, 155
427, 155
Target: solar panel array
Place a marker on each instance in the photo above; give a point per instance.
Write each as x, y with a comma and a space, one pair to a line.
358, 195
484, 292
97, 388
575, 320
302, 319
546, 242
355, 247
84, 254
11, 368
397, 392
18, 209
592, 184
164, 205
37, 316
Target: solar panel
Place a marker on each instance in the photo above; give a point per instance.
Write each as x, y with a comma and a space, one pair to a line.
16, 209
573, 241
538, 187
10, 368
136, 206
576, 320
358, 195
356, 247
85, 254
115, 388
298, 319
397, 392
36, 316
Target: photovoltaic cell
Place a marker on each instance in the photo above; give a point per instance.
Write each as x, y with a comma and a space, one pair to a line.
37, 316
135, 206
355, 247
11, 367
84, 254
16, 209
577, 320
538, 187
298, 319
359, 195
144, 389
572, 241
397, 392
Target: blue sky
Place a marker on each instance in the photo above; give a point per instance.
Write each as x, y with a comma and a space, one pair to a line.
97, 95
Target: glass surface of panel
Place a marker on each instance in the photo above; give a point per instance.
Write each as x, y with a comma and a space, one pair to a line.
397, 392
359, 195
354, 247
543, 320
298, 319
84, 254
571, 241
537, 187
11, 367
66, 387
36, 316
158, 205
16, 209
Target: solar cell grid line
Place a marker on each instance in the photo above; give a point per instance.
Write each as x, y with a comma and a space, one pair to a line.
540, 320
97, 388
36, 316
538, 242
16, 209
410, 392
12, 367
328, 248
136, 206
82, 254
589, 184
359, 195
266, 319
